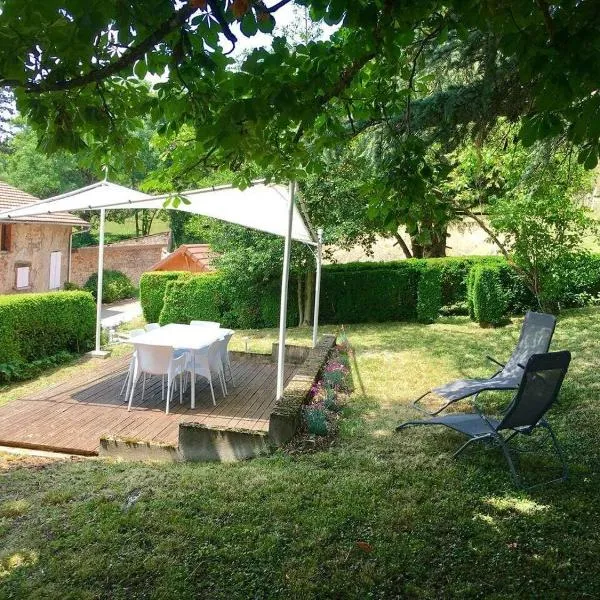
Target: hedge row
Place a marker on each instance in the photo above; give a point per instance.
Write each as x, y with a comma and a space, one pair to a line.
407, 290
36, 327
207, 297
152, 291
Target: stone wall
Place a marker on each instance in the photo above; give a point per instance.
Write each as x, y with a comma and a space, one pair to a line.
132, 258
32, 244
285, 416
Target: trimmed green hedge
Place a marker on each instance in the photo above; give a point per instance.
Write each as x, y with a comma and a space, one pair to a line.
115, 286
152, 291
487, 297
36, 327
207, 297
352, 293
407, 290
429, 294
198, 298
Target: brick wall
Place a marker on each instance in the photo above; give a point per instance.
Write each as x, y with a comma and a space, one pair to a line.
32, 244
132, 259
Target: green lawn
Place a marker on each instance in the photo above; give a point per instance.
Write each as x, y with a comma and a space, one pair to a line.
288, 525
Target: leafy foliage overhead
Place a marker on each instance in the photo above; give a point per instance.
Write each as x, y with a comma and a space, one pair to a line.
78, 71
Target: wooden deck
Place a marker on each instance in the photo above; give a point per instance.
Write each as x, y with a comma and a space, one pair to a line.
74, 415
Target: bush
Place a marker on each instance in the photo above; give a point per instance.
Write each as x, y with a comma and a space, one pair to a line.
42, 327
115, 286
198, 298
209, 297
487, 295
355, 293
429, 294
152, 291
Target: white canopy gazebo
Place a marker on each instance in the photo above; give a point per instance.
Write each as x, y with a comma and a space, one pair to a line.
261, 206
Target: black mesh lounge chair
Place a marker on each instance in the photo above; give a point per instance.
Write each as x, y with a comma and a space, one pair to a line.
536, 335
542, 378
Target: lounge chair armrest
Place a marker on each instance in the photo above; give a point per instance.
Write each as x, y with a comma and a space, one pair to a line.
490, 358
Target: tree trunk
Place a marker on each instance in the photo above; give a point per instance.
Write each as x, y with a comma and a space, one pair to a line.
300, 302
417, 249
435, 249
137, 224
309, 291
400, 241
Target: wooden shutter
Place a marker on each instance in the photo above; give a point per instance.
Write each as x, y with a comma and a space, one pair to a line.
5, 237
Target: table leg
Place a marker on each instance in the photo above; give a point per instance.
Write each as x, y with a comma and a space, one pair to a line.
193, 392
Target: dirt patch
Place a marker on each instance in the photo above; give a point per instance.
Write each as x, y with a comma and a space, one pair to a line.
11, 462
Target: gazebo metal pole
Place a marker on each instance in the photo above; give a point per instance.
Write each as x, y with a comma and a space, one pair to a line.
100, 274
317, 287
285, 276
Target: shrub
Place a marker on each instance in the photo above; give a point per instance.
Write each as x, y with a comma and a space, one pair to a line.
152, 291
196, 298
115, 286
354, 293
487, 295
429, 294
42, 327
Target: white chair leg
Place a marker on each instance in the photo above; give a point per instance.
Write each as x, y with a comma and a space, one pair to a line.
223, 383
212, 391
162, 390
134, 381
169, 393
180, 388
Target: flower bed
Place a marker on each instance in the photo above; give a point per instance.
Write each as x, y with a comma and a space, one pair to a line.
329, 394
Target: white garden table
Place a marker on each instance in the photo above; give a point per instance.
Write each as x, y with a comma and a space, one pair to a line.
183, 337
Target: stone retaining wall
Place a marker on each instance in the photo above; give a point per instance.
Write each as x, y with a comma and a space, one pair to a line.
285, 416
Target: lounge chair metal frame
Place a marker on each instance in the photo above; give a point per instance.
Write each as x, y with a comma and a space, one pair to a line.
522, 417
511, 380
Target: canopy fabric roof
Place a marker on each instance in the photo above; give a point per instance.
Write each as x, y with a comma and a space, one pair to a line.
261, 206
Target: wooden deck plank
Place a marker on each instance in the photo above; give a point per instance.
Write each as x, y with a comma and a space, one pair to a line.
71, 416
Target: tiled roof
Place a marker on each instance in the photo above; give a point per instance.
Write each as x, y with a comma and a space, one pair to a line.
11, 197
197, 253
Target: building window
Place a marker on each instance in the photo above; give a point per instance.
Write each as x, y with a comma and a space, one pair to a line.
5, 232
22, 276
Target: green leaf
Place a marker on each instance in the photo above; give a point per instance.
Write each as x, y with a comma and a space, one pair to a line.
249, 26
266, 23
140, 69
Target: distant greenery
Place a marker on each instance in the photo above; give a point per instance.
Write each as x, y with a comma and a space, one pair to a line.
24, 166
376, 514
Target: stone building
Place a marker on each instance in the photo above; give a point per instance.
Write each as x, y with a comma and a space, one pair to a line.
132, 257
35, 252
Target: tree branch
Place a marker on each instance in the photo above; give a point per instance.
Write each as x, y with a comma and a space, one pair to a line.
400, 242
128, 58
218, 15
543, 6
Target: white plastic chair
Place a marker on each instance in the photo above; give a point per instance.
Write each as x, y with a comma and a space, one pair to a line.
211, 324
152, 326
158, 360
132, 334
224, 353
206, 361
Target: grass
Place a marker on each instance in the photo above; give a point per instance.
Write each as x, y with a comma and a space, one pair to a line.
115, 232
378, 515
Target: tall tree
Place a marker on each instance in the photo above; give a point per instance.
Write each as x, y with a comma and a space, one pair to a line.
77, 72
